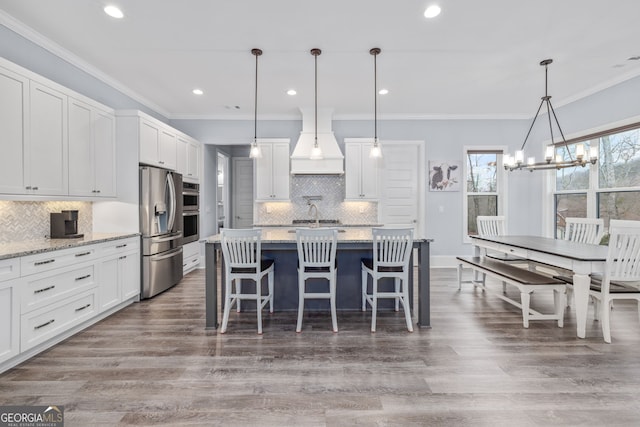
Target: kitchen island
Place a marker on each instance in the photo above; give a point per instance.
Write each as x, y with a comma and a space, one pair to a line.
279, 244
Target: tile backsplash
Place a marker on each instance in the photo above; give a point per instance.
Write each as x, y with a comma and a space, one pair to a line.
332, 205
30, 220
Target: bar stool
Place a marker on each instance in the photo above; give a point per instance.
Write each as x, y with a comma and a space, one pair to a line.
317, 260
391, 255
242, 254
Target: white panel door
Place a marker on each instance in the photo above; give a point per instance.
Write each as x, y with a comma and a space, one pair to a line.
13, 123
105, 153
81, 156
400, 185
242, 193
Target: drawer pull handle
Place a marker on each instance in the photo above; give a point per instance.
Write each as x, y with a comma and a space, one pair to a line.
44, 324
48, 288
83, 277
49, 261
121, 246
83, 307
83, 254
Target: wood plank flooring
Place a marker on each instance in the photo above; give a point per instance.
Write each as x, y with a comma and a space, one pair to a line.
154, 364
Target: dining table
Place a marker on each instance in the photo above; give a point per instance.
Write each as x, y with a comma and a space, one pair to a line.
581, 258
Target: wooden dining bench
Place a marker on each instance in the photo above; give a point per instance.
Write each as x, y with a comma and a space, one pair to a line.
525, 280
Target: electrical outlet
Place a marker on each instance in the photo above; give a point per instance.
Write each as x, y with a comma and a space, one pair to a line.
361, 209
268, 209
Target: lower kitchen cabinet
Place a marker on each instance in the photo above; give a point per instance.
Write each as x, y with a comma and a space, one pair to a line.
49, 296
9, 311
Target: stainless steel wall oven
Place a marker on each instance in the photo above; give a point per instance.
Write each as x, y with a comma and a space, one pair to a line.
191, 212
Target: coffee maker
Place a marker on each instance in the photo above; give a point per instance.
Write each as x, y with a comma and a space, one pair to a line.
64, 225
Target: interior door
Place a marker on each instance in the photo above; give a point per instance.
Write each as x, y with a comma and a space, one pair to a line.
400, 189
242, 193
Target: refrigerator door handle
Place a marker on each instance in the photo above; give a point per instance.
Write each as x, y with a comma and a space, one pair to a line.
166, 255
172, 202
171, 236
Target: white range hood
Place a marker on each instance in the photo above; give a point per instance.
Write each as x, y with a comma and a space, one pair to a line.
332, 162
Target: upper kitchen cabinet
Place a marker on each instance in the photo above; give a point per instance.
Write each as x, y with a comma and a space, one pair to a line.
188, 158
361, 171
46, 148
157, 144
92, 150
272, 171
14, 119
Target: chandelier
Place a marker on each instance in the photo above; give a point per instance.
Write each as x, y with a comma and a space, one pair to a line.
551, 161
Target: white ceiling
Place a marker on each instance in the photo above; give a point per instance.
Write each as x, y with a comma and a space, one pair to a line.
477, 59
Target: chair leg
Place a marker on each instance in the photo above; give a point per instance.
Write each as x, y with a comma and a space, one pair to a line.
524, 301
332, 300
301, 287
270, 281
504, 287
396, 285
559, 303
606, 320
569, 296
374, 305
406, 306
365, 278
459, 276
596, 308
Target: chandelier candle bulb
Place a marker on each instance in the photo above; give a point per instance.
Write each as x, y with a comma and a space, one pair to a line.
593, 154
519, 157
579, 151
531, 161
559, 158
548, 156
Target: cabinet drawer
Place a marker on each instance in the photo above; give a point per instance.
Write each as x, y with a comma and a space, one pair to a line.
9, 269
510, 250
44, 289
119, 246
41, 325
191, 262
55, 259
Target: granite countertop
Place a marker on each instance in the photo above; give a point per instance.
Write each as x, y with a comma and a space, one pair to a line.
30, 247
288, 235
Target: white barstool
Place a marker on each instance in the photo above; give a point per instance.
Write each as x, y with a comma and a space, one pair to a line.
317, 260
242, 254
391, 254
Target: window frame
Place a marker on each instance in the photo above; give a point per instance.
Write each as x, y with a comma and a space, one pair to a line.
501, 183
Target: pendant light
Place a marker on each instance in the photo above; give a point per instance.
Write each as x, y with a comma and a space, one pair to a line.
316, 152
551, 161
255, 151
376, 150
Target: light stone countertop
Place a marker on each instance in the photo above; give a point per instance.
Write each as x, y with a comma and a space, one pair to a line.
288, 235
30, 247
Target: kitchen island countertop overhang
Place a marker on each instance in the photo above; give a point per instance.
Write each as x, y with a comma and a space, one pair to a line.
279, 243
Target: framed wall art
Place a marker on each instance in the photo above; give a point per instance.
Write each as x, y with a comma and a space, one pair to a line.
444, 175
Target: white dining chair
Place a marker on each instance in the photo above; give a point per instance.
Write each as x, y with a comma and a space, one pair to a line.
242, 253
317, 260
621, 277
391, 255
584, 230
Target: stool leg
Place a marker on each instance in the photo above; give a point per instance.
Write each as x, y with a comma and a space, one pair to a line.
238, 291
396, 284
301, 287
270, 280
406, 306
374, 305
332, 293
365, 278
259, 303
227, 307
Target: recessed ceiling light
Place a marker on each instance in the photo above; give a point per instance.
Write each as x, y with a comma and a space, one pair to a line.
113, 11
432, 11
197, 92
291, 92
383, 91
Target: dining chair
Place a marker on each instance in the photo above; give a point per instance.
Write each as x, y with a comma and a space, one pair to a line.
317, 260
391, 255
584, 230
242, 253
621, 277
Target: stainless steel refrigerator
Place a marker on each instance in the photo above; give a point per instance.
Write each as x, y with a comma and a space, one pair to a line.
161, 228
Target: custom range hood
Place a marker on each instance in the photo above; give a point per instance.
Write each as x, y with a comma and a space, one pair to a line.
332, 162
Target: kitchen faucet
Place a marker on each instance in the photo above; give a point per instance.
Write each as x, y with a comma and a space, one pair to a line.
311, 206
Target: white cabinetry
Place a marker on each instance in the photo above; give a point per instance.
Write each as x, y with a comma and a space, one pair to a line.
46, 149
14, 107
9, 309
272, 172
190, 257
361, 172
119, 272
188, 158
157, 144
92, 155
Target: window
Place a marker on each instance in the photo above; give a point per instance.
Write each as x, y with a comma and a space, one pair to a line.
610, 189
483, 189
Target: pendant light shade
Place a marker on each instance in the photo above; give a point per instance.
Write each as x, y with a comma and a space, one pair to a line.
316, 152
551, 161
376, 150
255, 151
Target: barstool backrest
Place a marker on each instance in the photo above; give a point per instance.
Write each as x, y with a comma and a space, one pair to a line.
241, 248
392, 247
317, 247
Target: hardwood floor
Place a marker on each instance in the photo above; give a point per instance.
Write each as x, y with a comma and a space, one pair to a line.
153, 363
